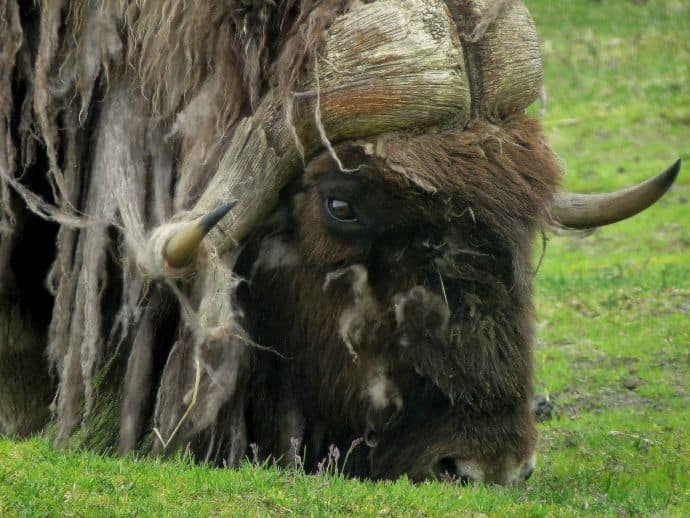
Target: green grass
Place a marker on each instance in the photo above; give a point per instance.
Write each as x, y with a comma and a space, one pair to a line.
613, 310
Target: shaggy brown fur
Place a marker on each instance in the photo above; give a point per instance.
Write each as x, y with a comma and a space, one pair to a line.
441, 300
132, 104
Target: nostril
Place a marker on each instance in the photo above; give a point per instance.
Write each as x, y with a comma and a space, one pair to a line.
527, 472
527, 468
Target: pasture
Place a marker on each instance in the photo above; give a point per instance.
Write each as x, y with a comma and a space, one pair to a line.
613, 312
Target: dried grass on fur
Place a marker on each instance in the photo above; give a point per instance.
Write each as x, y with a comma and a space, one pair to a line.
132, 104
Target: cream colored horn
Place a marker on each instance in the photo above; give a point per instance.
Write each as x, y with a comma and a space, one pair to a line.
581, 211
383, 66
502, 53
181, 247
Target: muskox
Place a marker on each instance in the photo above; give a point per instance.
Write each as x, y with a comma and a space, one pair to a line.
278, 226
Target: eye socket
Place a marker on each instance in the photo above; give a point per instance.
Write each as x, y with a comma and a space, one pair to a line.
341, 210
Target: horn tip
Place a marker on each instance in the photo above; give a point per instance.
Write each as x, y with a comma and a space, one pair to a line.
212, 218
675, 168
665, 180
181, 247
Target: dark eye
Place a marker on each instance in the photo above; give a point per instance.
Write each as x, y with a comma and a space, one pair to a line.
341, 210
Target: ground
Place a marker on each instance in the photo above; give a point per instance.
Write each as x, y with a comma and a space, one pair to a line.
613, 322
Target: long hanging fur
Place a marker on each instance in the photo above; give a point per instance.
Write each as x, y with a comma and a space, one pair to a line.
11, 41
122, 95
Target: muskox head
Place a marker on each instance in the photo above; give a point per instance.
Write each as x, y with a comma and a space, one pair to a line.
396, 288
404, 315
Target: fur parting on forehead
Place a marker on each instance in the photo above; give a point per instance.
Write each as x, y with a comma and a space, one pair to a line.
381, 390
360, 317
275, 253
506, 165
377, 148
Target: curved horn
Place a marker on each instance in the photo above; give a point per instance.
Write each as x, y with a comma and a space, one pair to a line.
181, 247
581, 211
403, 65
